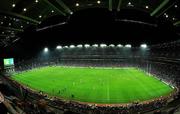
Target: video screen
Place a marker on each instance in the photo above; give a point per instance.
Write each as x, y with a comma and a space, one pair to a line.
8, 61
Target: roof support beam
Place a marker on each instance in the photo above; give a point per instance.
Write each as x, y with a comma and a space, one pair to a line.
14, 29
110, 5
119, 5
159, 7
49, 3
177, 23
20, 17
63, 5
165, 10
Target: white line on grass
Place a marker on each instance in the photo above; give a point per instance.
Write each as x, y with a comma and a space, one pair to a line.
108, 91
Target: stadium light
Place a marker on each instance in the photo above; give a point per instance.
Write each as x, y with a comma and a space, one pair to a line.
143, 45
77, 4
119, 45
86, 45
46, 49
95, 45
59, 47
72, 46
111, 45
103, 45
98, 1
13, 5
79, 46
65, 46
128, 46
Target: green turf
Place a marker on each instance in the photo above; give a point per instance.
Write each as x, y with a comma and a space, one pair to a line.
95, 85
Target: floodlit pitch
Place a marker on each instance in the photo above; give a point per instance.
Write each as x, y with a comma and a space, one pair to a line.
95, 85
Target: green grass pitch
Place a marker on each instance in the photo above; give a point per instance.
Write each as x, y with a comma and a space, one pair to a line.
94, 85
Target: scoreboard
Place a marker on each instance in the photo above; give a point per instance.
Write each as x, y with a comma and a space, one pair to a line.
8, 64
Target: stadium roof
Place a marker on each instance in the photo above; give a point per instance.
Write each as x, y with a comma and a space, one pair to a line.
18, 15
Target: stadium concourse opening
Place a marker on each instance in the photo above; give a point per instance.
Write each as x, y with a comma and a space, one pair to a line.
89, 57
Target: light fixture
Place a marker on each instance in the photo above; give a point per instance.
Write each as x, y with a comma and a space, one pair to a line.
59, 47
119, 45
111, 45
79, 46
103, 45
40, 16
52, 11
143, 45
98, 1
128, 46
13, 5
46, 49
129, 3
95, 45
72, 46
24, 9
36, 1
71, 12
77, 4
147, 7
86, 45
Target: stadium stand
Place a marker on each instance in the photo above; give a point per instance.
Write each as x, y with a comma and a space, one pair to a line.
159, 60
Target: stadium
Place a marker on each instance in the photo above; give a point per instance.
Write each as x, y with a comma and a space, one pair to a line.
89, 57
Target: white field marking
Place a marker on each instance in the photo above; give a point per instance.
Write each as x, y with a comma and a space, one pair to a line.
108, 90
159, 79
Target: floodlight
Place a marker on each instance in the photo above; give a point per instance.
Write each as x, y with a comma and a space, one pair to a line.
59, 47
86, 45
65, 46
98, 1
13, 5
143, 45
119, 45
77, 4
103, 45
129, 3
95, 45
72, 46
111, 45
46, 49
79, 46
128, 46
24, 9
